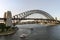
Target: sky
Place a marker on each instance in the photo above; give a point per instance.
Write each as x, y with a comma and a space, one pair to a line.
18, 6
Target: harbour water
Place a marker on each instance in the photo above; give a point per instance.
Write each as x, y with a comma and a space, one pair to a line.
35, 32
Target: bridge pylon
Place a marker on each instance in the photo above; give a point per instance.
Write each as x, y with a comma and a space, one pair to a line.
8, 17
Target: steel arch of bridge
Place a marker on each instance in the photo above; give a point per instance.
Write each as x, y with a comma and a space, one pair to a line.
27, 13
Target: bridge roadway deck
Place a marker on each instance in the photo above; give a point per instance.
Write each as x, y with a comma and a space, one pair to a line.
26, 19
30, 19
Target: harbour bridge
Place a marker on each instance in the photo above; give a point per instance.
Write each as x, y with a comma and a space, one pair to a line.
17, 19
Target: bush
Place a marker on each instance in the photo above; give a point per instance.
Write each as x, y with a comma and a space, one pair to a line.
2, 26
7, 28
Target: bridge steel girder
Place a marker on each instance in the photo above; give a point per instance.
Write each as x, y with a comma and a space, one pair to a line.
40, 12
27, 13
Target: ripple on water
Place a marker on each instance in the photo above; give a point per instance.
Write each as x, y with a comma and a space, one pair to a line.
39, 32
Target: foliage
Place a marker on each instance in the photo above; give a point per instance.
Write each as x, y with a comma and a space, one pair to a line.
7, 28
3, 27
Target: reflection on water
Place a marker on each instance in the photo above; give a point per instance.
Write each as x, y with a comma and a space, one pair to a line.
38, 32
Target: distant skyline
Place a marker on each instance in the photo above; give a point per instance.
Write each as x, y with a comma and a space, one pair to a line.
18, 6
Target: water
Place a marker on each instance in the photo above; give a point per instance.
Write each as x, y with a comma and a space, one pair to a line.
35, 32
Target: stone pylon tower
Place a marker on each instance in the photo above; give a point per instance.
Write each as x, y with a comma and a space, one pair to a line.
5, 17
8, 17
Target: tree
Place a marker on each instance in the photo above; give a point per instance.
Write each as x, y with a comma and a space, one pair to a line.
7, 28
2, 26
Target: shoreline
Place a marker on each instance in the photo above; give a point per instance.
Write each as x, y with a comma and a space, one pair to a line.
4, 33
8, 32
